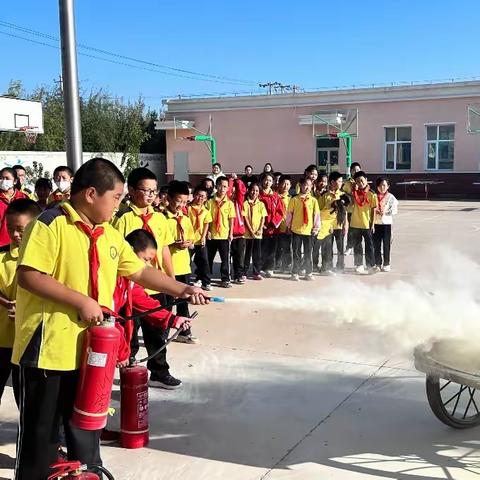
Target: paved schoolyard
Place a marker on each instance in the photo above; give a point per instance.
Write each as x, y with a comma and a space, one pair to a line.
279, 394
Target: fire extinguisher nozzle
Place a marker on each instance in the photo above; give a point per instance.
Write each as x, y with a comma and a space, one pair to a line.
217, 299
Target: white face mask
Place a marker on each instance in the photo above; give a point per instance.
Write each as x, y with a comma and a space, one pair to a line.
63, 186
6, 184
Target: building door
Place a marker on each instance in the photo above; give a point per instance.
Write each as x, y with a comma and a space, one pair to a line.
180, 166
327, 160
327, 154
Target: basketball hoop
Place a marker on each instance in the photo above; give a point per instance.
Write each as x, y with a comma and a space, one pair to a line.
30, 133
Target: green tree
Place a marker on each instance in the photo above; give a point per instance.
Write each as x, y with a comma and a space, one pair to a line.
35, 172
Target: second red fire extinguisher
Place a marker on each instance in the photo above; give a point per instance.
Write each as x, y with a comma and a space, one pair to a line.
134, 407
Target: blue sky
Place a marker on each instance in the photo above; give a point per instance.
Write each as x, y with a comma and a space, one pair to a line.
309, 43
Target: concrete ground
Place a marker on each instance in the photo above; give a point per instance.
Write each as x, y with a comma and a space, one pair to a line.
279, 394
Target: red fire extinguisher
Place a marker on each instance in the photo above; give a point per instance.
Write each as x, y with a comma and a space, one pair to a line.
134, 407
96, 376
76, 471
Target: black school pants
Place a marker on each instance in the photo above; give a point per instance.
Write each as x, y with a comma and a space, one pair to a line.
317, 247
382, 236
46, 399
223, 248
268, 252
253, 252
237, 248
297, 242
200, 259
153, 339
339, 239
7, 368
350, 241
357, 235
182, 308
283, 255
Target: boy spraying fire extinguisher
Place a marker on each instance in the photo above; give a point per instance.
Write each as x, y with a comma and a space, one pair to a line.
68, 266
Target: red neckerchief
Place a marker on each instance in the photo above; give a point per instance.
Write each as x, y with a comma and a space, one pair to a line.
305, 209
361, 197
145, 219
180, 230
8, 200
381, 201
197, 212
94, 260
218, 216
252, 205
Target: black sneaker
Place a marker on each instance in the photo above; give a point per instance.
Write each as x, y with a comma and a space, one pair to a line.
167, 382
226, 284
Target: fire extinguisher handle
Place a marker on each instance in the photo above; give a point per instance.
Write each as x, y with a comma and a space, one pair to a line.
64, 468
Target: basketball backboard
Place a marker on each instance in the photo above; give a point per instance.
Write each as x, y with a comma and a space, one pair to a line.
16, 114
473, 118
333, 122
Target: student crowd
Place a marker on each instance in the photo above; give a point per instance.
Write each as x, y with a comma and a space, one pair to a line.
78, 244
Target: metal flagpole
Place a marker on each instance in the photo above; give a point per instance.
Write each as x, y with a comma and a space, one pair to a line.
73, 130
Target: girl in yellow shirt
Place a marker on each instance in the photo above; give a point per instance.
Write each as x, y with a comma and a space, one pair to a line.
254, 213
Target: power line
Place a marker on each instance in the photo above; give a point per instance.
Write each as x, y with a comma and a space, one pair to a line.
190, 74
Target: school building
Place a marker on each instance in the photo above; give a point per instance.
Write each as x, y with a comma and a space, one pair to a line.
421, 133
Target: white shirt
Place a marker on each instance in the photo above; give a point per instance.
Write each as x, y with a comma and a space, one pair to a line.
386, 210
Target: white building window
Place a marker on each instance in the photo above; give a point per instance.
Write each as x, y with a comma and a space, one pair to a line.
398, 148
440, 147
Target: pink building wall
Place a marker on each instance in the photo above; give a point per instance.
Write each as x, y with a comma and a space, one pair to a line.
259, 135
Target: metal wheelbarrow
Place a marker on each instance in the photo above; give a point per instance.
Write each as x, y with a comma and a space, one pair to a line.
452, 367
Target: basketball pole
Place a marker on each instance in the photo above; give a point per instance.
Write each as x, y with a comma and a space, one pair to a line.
71, 100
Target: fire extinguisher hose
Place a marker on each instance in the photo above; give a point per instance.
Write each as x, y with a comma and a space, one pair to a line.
105, 471
166, 344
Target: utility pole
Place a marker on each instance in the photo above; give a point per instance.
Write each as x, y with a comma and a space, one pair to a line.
270, 86
71, 99
277, 86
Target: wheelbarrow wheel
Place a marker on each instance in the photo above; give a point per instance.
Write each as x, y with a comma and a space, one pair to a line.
453, 404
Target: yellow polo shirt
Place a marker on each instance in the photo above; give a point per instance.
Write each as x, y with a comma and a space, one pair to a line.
329, 219
127, 219
180, 256
286, 200
255, 212
295, 207
227, 212
48, 334
199, 216
8, 290
362, 216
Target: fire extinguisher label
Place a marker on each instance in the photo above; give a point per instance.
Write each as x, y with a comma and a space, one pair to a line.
97, 359
142, 409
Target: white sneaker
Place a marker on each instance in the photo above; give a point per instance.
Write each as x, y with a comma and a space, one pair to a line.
327, 273
268, 274
295, 277
309, 277
349, 251
361, 270
386, 268
198, 283
374, 269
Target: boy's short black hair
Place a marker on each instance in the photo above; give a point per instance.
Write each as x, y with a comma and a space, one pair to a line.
140, 240
200, 188
266, 174
382, 179
176, 187
98, 173
252, 185
19, 167
163, 189
248, 166
220, 180
320, 176
188, 184
359, 174
43, 183
277, 174
139, 174
63, 168
11, 171
311, 168
334, 176
285, 177
24, 206
216, 164
354, 165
